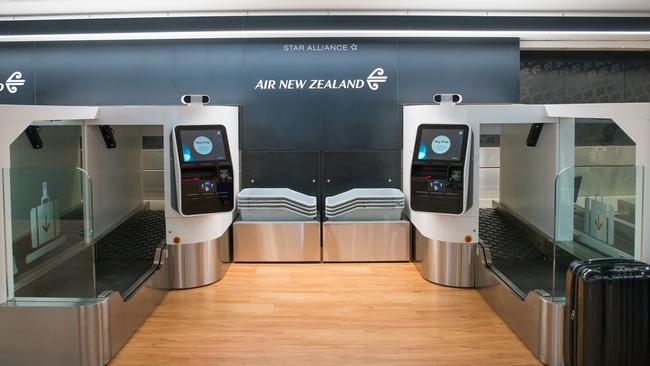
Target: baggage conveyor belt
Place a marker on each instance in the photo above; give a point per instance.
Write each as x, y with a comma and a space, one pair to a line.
126, 254
516, 258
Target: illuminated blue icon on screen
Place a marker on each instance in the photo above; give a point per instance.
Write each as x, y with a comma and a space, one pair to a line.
440, 144
187, 154
202, 145
422, 153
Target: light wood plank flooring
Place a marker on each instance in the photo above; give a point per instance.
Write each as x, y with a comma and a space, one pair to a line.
324, 314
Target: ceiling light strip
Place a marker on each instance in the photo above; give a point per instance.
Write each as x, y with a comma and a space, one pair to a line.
288, 34
585, 45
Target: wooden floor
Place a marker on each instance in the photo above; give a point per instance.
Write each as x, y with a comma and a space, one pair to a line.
324, 314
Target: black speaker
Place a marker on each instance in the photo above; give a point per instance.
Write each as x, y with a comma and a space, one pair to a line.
533, 135
34, 137
109, 136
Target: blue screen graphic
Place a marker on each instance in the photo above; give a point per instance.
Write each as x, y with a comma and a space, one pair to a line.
422, 153
187, 153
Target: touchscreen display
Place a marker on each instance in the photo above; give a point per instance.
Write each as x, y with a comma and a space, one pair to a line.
202, 145
441, 143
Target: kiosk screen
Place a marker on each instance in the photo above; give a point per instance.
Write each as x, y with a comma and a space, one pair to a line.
442, 144
202, 145
204, 180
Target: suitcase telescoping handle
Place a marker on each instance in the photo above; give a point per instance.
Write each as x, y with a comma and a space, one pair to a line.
45, 198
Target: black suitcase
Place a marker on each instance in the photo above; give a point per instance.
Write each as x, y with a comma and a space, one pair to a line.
607, 313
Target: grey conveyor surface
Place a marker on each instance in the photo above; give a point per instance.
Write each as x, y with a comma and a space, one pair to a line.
517, 259
126, 254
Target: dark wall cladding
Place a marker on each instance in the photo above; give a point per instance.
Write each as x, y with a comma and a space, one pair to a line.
584, 77
297, 137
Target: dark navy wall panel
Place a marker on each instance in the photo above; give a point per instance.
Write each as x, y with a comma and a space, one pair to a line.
104, 74
305, 119
340, 22
215, 68
318, 119
344, 170
343, 124
123, 25
474, 69
297, 170
114, 73
17, 58
159, 72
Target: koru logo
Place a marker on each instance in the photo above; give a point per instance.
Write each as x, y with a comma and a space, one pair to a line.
13, 82
376, 76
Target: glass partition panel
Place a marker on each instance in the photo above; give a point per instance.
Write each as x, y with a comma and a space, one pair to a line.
48, 221
598, 215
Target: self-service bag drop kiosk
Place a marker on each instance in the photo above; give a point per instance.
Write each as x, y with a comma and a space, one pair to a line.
202, 191
194, 241
442, 201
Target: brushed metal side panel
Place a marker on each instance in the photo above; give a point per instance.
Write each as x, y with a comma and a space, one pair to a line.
53, 334
551, 345
195, 264
126, 317
536, 320
366, 241
522, 316
94, 334
281, 241
444, 263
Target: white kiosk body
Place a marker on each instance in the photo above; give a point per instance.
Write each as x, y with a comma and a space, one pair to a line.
444, 232
193, 250
198, 244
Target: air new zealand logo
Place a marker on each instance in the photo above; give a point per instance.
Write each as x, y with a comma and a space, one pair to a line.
13, 82
375, 78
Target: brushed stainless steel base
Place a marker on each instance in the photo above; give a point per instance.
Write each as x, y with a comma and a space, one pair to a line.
444, 263
536, 320
277, 241
74, 332
196, 264
366, 241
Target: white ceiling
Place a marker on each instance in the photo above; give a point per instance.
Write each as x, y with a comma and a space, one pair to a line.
21, 8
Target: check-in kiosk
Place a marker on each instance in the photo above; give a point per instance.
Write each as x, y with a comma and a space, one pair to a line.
108, 207
558, 198
440, 171
203, 172
442, 201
